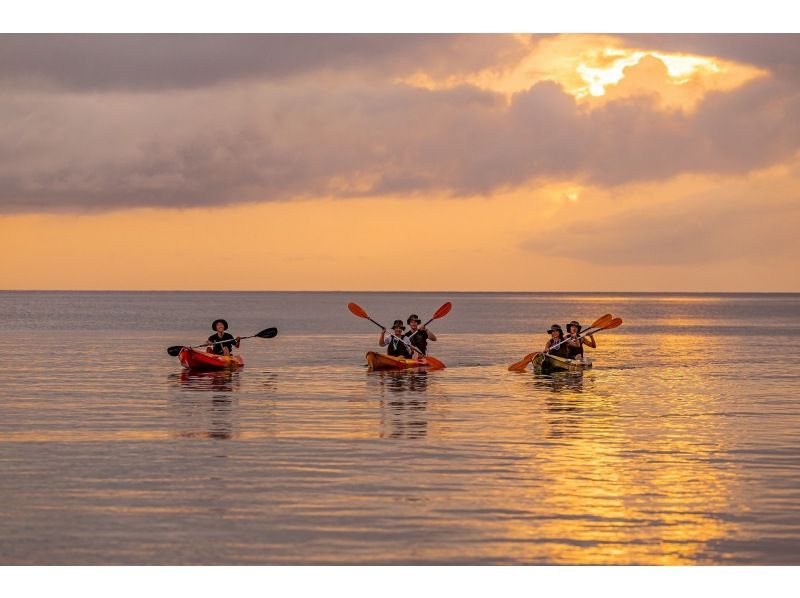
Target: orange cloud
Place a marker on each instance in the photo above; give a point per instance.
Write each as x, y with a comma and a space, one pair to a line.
587, 66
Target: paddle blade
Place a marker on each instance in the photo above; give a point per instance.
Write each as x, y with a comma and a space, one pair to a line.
442, 311
601, 321
356, 310
522, 363
267, 333
434, 363
615, 323
174, 350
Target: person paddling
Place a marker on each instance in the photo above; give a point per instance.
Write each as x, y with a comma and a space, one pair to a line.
556, 336
221, 348
397, 346
574, 344
418, 335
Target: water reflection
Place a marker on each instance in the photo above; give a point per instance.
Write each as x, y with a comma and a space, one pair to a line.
634, 460
199, 415
562, 381
222, 381
403, 403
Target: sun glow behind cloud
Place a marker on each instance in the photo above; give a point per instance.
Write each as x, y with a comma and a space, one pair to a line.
590, 66
680, 68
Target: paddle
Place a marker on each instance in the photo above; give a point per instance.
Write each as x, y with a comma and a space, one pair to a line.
357, 310
440, 313
596, 326
614, 323
266, 333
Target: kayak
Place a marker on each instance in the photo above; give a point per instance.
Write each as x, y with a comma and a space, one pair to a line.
200, 360
380, 361
552, 363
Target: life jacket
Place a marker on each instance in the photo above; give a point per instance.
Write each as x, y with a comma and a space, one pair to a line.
397, 348
419, 340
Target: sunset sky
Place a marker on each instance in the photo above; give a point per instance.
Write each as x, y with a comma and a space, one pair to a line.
400, 162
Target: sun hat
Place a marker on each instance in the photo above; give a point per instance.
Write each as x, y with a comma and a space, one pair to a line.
215, 322
413, 317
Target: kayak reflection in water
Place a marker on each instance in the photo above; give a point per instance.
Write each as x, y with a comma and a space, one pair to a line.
418, 335
397, 348
221, 348
575, 344
556, 336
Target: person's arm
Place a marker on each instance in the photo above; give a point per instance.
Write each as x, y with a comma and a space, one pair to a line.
238, 341
589, 341
547, 345
383, 342
431, 335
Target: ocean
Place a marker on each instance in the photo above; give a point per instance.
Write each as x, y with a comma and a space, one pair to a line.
680, 446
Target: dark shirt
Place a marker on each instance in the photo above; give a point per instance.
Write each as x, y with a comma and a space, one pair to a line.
217, 349
575, 352
419, 340
562, 351
398, 348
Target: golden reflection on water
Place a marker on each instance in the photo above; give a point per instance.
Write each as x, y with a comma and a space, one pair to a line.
616, 299
619, 488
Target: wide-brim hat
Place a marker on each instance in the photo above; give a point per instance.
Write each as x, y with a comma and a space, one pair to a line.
555, 327
215, 322
413, 318
399, 323
573, 323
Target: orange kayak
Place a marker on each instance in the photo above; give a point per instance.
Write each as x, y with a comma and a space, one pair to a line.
380, 361
200, 360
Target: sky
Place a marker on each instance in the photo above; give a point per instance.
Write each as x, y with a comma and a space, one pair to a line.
658, 162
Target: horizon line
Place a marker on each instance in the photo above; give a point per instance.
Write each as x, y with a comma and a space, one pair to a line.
436, 292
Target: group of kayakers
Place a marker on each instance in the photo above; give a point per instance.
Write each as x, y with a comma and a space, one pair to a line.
402, 343
571, 345
406, 343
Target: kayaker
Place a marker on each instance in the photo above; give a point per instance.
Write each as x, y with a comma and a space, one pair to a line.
556, 336
397, 348
221, 348
418, 335
575, 344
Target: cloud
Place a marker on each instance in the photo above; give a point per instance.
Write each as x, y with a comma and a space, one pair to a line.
778, 52
147, 62
261, 140
752, 220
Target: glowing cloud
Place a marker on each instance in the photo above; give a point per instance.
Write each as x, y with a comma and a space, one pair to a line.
586, 66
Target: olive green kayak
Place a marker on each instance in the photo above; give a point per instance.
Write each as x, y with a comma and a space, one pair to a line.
552, 363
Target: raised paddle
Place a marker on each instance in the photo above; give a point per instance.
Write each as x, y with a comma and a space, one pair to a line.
596, 326
613, 323
359, 311
266, 333
440, 313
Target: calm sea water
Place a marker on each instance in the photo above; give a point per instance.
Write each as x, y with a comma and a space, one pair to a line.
681, 446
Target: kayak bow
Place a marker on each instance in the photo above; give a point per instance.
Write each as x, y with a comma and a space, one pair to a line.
380, 361
545, 364
200, 360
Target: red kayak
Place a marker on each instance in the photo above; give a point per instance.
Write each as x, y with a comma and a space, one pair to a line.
200, 360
